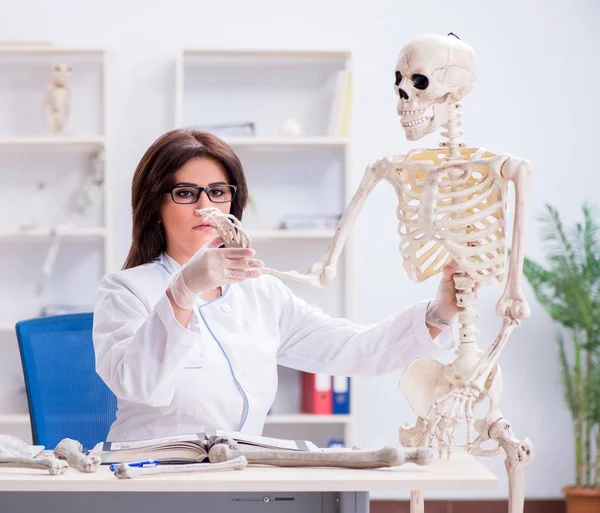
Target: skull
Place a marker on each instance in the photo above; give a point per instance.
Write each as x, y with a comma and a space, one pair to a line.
431, 71
60, 74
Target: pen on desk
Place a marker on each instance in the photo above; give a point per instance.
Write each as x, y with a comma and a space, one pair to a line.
142, 464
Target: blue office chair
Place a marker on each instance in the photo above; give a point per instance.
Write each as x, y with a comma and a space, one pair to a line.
67, 398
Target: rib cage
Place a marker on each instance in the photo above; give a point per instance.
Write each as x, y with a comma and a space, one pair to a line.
451, 210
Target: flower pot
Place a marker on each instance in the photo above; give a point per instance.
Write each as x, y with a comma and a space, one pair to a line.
582, 500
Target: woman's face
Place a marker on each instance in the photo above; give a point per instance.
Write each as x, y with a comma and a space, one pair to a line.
185, 230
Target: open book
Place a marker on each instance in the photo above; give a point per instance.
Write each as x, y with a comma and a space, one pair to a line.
191, 448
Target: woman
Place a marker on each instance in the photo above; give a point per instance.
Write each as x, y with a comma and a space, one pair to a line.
189, 334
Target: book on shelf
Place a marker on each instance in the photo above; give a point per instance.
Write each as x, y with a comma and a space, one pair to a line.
339, 115
188, 448
230, 129
51, 309
322, 394
316, 394
340, 386
310, 222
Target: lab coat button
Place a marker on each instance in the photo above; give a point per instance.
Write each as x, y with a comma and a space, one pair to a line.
225, 307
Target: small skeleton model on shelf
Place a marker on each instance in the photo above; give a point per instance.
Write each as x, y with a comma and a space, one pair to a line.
84, 198
452, 205
57, 100
88, 194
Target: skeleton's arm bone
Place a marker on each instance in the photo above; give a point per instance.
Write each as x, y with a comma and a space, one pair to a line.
324, 271
519, 172
385, 457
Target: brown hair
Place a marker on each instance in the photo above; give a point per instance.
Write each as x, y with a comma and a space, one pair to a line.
154, 174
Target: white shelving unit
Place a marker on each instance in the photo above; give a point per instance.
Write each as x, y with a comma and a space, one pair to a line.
28, 156
60, 143
311, 173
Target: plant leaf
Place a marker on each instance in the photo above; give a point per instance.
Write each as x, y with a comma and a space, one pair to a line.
567, 378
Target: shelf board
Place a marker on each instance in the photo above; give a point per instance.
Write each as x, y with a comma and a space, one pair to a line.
266, 53
59, 141
46, 50
72, 233
307, 418
290, 418
286, 142
7, 327
290, 234
14, 418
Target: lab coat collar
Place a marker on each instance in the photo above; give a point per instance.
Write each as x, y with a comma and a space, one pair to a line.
171, 264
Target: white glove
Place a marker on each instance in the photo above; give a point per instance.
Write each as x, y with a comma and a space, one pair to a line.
436, 316
211, 267
442, 311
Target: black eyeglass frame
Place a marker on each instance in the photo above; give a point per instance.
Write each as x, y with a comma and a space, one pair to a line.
206, 189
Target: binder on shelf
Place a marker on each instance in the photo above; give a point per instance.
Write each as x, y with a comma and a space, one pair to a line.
341, 104
316, 394
341, 395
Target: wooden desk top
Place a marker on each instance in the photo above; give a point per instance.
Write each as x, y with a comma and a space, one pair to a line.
461, 472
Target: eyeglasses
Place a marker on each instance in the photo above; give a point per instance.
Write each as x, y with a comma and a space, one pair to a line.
217, 193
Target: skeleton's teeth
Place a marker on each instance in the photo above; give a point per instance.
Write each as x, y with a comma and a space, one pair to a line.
411, 112
416, 122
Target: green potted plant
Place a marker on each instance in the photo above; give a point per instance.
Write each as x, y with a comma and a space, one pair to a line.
569, 290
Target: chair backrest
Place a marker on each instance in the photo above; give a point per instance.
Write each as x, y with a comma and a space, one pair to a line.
67, 398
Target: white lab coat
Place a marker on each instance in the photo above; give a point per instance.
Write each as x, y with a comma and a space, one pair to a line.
221, 371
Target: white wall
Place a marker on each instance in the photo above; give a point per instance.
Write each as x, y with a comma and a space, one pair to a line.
534, 99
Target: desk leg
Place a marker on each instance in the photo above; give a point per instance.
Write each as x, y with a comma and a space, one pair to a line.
417, 502
353, 502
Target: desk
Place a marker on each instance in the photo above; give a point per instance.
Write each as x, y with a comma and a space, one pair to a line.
311, 490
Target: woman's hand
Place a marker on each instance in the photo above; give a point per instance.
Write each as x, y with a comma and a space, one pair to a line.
443, 310
211, 267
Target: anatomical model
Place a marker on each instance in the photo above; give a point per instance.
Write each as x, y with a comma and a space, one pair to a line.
452, 205
14, 453
223, 454
57, 99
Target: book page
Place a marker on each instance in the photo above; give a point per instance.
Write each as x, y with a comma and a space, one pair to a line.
264, 441
152, 442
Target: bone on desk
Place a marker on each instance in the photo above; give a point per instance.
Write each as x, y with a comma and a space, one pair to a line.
310, 489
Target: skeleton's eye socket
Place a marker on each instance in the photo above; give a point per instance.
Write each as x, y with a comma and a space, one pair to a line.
420, 81
398, 77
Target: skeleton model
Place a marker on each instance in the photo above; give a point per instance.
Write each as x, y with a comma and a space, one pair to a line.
57, 99
223, 454
451, 206
14, 453
85, 196
226, 454
88, 193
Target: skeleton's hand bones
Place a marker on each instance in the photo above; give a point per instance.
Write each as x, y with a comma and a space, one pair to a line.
452, 405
